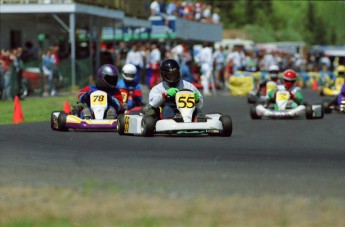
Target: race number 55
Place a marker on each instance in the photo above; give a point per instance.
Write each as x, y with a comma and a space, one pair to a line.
186, 101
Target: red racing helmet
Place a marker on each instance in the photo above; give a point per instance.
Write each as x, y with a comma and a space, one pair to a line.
289, 78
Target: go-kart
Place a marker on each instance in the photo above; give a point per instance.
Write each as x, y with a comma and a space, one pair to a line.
61, 121
282, 109
148, 125
260, 96
329, 106
332, 90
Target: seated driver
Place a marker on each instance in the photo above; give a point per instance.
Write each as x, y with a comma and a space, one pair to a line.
106, 81
273, 72
163, 94
130, 87
339, 98
289, 82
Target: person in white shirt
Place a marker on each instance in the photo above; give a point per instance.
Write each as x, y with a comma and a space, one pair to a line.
154, 60
205, 60
135, 57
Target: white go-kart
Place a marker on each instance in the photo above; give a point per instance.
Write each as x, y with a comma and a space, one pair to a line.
148, 125
282, 109
61, 121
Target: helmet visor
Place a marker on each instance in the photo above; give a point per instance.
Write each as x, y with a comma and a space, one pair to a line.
128, 76
112, 80
289, 83
171, 77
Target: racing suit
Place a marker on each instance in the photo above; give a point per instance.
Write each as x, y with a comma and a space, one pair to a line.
114, 98
158, 98
133, 91
295, 96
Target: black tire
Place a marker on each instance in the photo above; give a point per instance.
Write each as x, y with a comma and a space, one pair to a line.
52, 120
309, 112
148, 125
62, 122
321, 92
253, 113
251, 99
325, 106
227, 126
121, 124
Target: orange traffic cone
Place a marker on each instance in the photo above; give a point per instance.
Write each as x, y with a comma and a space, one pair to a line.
314, 87
67, 108
18, 113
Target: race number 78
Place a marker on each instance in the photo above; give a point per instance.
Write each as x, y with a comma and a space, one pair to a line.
186, 101
98, 99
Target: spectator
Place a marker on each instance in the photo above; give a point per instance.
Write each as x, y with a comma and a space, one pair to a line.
47, 68
136, 57
215, 16
219, 63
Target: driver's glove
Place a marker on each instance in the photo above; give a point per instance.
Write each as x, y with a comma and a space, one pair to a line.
172, 92
196, 96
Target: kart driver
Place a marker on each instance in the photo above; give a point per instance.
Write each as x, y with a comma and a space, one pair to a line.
107, 77
130, 87
289, 82
273, 72
163, 94
340, 74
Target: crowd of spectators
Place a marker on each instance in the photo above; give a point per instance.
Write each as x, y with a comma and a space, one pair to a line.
223, 62
200, 64
12, 66
196, 11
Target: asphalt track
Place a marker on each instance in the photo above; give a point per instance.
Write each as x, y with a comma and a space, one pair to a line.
276, 157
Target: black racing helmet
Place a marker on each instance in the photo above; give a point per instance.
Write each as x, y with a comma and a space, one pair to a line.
107, 77
170, 72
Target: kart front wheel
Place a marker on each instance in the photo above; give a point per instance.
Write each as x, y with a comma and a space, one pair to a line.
62, 121
227, 125
121, 124
148, 125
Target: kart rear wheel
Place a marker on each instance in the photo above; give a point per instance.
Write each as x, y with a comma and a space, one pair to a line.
121, 124
252, 99
309, 112
227, 125
62, 121
148, 125
326, 107
253, 113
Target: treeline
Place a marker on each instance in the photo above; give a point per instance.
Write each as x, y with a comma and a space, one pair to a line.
313, 22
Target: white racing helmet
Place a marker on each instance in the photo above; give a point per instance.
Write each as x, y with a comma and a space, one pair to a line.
128, 72
273, 71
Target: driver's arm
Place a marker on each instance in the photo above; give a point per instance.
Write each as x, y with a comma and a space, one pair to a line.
157, 96
298, 97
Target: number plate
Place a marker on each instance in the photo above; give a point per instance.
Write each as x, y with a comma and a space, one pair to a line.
97, 99
186, 100
282, 96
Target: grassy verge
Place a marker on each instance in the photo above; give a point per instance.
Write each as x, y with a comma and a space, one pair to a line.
35, 109
96, 207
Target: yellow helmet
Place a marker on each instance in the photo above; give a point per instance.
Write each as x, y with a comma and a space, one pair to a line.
340, 70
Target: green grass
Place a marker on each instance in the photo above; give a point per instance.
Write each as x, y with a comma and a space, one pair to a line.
35, 109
